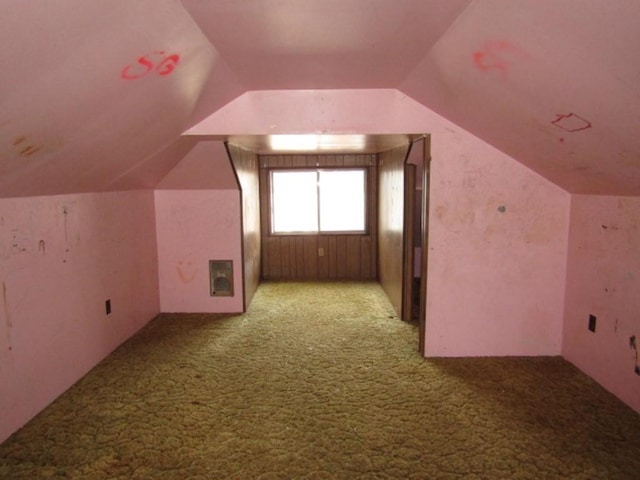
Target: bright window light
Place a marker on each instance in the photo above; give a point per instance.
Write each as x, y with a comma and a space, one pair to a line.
342, 200
294, 197
318, 201
293, 142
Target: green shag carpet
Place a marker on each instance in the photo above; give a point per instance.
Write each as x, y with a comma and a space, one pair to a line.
321, 381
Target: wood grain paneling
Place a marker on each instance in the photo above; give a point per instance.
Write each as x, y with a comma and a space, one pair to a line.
297, 257
246, 168
391, 223
408, 248
426, 189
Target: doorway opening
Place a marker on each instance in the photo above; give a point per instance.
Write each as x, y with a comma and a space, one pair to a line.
389, 244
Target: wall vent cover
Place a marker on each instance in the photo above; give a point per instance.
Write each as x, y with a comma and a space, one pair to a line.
221, 278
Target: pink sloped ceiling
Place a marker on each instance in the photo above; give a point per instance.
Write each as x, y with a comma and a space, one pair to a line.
328, 44
556, 85
366, 111
205, 167
90, 90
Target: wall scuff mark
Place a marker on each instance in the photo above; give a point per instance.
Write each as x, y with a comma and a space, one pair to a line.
634, 346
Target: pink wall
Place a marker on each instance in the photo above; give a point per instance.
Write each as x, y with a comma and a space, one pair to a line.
497, 248
61, 258
195, 226
198, 219
496, 279
603, 270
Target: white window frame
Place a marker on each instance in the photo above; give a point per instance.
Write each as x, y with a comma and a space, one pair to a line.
364, 231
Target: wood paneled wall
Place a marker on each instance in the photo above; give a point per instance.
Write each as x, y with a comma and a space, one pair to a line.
391, 223
245, 165
298, 257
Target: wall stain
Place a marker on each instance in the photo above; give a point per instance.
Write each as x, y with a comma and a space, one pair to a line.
7, 314
65, 212
29, 150
15, 246
23, 147
186, 272
612, 227
634, 346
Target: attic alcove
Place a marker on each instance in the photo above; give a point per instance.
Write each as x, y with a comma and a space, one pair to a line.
113, 168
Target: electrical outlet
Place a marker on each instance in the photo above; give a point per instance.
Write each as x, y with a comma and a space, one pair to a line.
107, 306
321, 252
592, 323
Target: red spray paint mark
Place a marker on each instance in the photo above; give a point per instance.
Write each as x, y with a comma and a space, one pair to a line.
159, 62
497, 56
571, 122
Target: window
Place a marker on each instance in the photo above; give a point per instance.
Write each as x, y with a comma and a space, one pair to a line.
318, 201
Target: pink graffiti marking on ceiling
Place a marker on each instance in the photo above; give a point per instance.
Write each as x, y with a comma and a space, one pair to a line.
571, 122
159, 62
497, 55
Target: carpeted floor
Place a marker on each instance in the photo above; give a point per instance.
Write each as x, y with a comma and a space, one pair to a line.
321, 381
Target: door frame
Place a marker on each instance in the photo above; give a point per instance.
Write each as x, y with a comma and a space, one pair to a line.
410, 182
